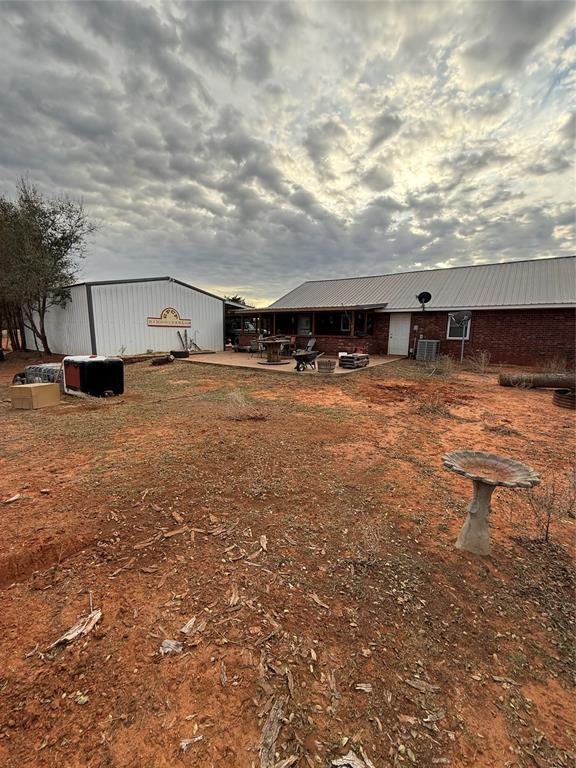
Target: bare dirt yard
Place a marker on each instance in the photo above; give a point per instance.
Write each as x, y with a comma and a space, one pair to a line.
301, 530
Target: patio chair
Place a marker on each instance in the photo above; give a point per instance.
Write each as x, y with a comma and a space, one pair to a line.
309, 346
257, 348
289, 347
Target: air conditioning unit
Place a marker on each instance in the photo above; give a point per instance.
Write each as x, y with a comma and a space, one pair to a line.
427, 349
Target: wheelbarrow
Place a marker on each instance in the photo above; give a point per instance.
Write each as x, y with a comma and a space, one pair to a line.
305, 359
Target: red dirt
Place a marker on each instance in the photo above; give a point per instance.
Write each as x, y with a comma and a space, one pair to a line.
357, 580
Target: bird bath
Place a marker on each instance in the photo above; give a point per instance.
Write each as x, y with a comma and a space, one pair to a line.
486, 470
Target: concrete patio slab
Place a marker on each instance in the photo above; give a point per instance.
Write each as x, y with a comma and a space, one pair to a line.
246, 360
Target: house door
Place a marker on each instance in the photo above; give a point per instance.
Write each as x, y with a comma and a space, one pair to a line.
399, 335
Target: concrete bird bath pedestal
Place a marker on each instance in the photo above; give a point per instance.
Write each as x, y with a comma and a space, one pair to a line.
486, 470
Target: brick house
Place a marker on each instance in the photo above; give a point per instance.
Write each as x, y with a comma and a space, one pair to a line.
521, 312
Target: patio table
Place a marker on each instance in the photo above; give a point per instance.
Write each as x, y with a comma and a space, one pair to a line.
273, 346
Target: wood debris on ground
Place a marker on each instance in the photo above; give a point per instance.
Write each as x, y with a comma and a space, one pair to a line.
422, 685
176, 532
433, 717
82, 627
187, 628
398, 608
147, 542
223, 676
125, 567
185, 744
170, 646
507, 680
287, 762
319, 602
270, 732
351, 760
235, 596
14, 498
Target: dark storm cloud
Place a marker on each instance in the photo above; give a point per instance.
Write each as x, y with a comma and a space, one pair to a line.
205, 30
257, 59
252, 145
144, 38
511, 31
554, 160
475, 158
569, 129
321, 138
500, 195
196, 195
38, 33
378, 178
383, 128
376, 218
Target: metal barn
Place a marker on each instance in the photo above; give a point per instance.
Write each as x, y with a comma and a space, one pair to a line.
130, 317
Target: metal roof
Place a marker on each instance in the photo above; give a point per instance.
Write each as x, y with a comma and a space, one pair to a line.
147, 280
512, 284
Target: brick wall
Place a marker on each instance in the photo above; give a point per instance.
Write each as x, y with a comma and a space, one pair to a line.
516, 336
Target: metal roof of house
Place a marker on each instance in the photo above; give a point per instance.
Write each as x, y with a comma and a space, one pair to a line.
534, 283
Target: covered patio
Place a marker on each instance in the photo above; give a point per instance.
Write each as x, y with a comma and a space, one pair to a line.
245, 360
336, 329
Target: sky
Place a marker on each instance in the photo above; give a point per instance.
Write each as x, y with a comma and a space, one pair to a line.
247, 147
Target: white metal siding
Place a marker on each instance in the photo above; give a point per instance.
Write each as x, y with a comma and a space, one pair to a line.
67, 328
121, 311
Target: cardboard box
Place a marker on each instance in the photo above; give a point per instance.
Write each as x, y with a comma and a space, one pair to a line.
32, 396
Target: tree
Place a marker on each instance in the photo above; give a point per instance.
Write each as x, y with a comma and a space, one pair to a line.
44, 239
552, 502
237, 299
10, 285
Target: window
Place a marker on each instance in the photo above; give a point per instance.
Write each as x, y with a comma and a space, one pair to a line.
285, 324
266, 324
457, 331
369, 324
304, 325
333, 323
328, 323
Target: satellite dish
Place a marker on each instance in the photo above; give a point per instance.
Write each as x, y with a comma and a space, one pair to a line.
461, 318
423, 299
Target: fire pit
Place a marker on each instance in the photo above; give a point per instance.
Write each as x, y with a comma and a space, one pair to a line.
486, 470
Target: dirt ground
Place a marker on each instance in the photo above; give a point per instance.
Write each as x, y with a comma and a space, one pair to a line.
308, 527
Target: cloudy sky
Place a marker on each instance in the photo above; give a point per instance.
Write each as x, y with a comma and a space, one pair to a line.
246, 147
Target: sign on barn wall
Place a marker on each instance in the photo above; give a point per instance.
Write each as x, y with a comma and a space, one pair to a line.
170, 318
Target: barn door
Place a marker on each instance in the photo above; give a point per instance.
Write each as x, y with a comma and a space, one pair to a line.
399, 335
